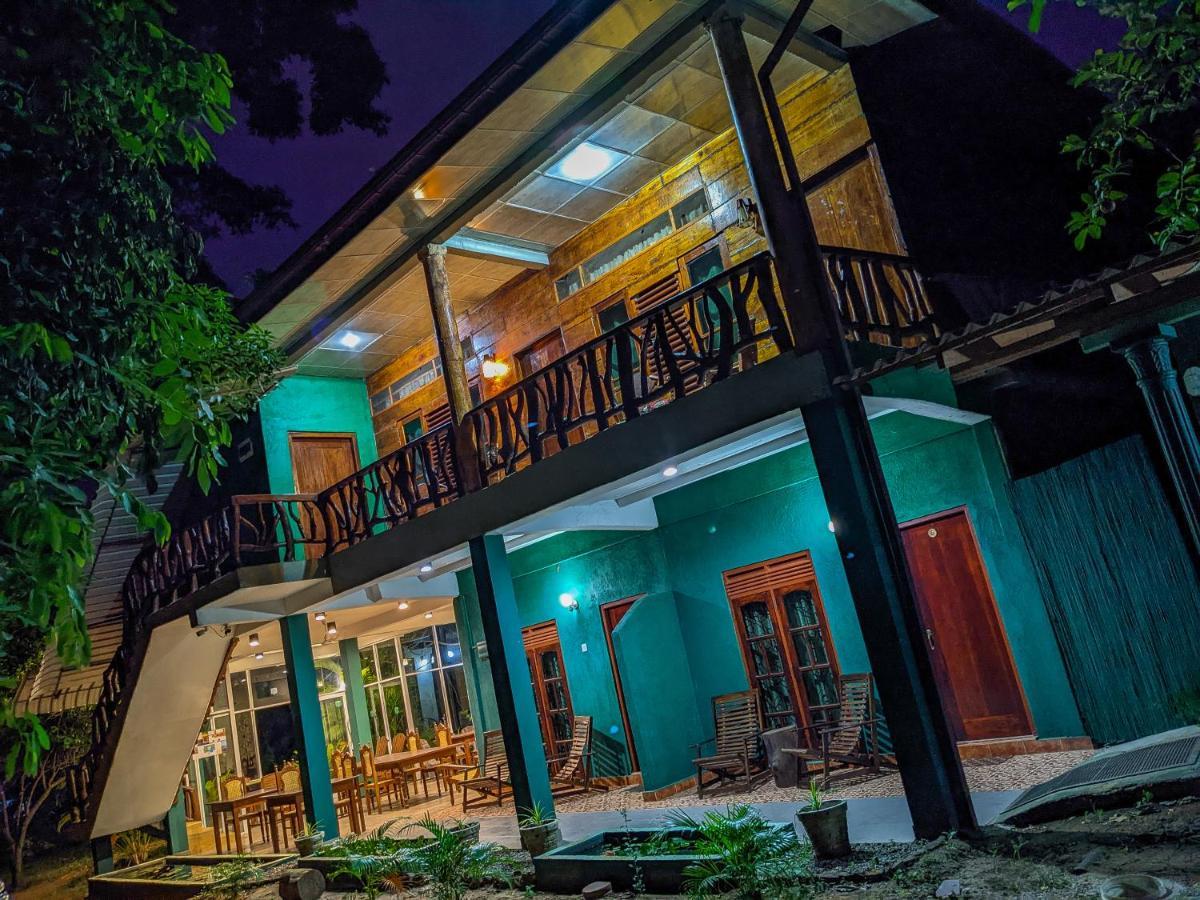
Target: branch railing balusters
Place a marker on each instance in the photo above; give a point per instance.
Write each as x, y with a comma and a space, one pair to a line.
881, 296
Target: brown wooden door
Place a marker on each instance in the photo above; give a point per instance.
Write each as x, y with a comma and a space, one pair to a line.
612, 614
780, 622
321, 460
548, 676
971, 656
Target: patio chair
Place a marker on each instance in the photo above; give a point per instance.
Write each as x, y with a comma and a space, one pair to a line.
572, 773
378, 783
738, 755
381, 746
852, 741
488, 780
287, 812
235, 787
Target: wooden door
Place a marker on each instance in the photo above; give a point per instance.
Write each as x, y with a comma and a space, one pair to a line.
612, 614
781, 626
318, 461
971, 657
551, 694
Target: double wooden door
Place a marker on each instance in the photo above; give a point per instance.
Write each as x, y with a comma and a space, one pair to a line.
551, 695
962, 629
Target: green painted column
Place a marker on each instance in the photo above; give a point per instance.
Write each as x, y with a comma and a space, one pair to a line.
177, 836
306, 717
356, 695
510, 674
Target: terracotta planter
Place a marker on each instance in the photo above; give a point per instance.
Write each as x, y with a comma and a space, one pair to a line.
307, 844
826, 829
539, 839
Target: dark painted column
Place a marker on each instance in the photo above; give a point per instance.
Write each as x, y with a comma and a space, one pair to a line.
102, 854
356, 695
850, 474
510, 674
306, 719
1149, 355
177, 835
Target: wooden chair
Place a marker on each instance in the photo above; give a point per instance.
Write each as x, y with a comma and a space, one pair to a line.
379, 783
342, 766
270, 782
288, 813
852, 741
399, 743
572, 773
489, 780
235, 787
738, 752
381, 746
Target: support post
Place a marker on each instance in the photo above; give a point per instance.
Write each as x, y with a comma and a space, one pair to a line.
510, 674
356, 695
177, 835
1149, 355
102, 854
306, 719
849, 470
445, 326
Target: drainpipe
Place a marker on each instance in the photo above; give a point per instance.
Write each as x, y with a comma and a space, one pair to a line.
850, 473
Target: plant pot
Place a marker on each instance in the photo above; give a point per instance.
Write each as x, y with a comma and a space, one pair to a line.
539, 839
826, 829
468, 831
307, 844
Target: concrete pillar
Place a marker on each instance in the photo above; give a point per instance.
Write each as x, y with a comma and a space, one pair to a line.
356, 695
306, 717
850, 473
177, 835
1149, 355
445, 326
510, 674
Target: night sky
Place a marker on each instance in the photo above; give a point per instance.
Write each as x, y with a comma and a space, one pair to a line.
432, 49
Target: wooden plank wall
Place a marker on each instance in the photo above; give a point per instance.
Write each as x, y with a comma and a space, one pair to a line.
851, 208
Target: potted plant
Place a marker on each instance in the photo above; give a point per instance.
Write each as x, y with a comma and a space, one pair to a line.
824, 821
309, 838
539, 830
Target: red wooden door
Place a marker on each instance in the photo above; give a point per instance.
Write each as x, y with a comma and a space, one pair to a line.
971, 656
612, 614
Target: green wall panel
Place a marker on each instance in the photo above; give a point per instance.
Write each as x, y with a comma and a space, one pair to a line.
1120, 585
307, 403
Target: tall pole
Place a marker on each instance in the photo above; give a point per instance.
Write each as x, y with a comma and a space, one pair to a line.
850, 473
445, 327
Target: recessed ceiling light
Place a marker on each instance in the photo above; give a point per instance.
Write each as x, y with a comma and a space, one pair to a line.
403, 604
585, 163
348, 339
428, 567
429, 615
670, 472
259, 655
254, 639
319, 615
331, 628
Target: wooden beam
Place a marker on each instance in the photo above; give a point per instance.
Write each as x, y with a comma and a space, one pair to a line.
445, 326
499, 247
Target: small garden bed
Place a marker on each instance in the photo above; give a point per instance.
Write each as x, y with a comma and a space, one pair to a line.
630, 859
187, 876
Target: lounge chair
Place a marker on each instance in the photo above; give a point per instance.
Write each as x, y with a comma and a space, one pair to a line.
738, 755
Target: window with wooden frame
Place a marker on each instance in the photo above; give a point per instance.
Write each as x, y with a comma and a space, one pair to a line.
540, 353
548, 675
784, 636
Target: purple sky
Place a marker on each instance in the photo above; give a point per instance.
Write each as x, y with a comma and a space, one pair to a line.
433, 49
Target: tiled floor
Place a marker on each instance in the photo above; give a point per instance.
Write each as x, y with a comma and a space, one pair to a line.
877, 813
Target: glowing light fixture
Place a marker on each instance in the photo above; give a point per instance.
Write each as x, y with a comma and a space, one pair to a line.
427, 568
319, 615
331, 628
585, 163
429, 615
403, 604
254, 639
832, 529
567, 600
259, 655
494, 368
450, 654
348, 339
670, 471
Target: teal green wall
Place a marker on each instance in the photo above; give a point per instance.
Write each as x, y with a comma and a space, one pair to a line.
760, 511
307, 403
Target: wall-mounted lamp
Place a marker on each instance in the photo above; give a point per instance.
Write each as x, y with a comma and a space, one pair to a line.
832, 527
254, 639
319, 615
493, 368
331, 628
567, 601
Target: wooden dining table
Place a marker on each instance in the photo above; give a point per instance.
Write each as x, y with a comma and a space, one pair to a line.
409, 758
352, 785
231, 806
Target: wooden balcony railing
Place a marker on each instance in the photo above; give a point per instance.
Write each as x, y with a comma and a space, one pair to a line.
685, 343
881, 296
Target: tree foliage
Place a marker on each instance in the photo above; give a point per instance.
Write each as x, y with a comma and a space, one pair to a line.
1149, 122
112, 353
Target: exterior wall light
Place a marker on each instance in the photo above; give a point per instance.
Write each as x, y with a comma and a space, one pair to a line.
403, 604
832, 529
493, 368
254, 639
567, 601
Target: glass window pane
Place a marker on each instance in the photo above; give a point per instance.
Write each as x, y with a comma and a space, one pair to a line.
369, 674
276, 736
221, 695
801, 610
329, 675
241, 690
810, 647
375, 713
426, 700
333, 717
393, 699
756, 619
448, 644
389, 663
247, 748
766, 657
819, 687
416, 649
269, 685
706, 265
551, 666
775, 694
456, 697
